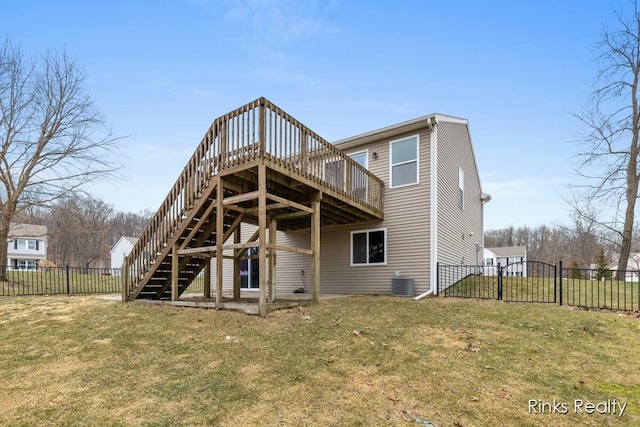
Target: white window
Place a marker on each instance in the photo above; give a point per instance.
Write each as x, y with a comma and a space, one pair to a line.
360, 158
26, 264
369, 247
460, 187
24, 244
404, 161
488, 261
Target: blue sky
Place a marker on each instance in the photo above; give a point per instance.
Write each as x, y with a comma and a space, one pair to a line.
161, 71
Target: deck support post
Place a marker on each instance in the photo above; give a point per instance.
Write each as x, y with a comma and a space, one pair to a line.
236, 263
273, 226
207, 279
315, 247
174, 273
125, 280
262, 238
219, 240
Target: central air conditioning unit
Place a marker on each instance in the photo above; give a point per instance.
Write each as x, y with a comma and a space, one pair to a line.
402, 287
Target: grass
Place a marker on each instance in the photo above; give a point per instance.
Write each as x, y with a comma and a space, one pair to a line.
348, 361
608, 294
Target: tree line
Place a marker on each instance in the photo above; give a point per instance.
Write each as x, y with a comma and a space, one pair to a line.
577, 246
83, 229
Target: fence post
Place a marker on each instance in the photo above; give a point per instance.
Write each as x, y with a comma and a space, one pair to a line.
437, 278
499, 282
560, 293
68, 281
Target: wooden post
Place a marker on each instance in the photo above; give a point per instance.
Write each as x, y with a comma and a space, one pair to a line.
207, 279
273, 224
262, 236
315, 247
174, 272
236, 263
219, 240
125, 280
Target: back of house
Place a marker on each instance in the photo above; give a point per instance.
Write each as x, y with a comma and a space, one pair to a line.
433, 212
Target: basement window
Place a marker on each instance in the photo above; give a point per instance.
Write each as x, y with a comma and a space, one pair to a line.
368, 247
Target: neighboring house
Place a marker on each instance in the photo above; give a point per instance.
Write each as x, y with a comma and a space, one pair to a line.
121, 249
433, 212
26, 246
633, 267
512, 260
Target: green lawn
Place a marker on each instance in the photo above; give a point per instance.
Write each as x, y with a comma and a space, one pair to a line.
347, 361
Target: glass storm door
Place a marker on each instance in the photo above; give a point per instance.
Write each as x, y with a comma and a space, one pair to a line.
250, 271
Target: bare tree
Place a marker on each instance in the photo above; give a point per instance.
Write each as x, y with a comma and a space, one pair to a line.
612, 121
53, 139
82, 227
129, 224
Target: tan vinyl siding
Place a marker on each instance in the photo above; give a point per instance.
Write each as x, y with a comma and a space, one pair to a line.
456, 245
407, 227
288, 264
407, 223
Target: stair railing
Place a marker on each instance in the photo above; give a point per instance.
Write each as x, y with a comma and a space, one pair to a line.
257, 130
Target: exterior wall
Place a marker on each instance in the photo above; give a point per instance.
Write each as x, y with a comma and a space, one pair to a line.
459, 230
490, 262
407, 235
519, 268
17, 255
407, 222
121, 249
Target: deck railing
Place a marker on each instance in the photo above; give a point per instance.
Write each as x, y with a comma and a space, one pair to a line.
254, 131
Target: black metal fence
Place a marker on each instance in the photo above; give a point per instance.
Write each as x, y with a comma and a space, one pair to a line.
66, 281
534, 281
59, 281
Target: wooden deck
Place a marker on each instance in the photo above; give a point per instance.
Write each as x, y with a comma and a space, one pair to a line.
255, 165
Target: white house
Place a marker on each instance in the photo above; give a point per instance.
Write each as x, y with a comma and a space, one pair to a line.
512, 258
121, 249
633, 267
26, 246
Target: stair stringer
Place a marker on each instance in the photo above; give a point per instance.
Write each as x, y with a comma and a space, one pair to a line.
177, 234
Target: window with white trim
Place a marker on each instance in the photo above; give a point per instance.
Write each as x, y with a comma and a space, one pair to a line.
460, 188
26, 244
26, 264
369, 247
404, 161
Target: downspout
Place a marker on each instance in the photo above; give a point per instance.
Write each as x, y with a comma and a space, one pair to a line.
484, 199
432, 123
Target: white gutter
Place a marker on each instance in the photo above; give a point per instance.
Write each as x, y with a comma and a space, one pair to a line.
432, 122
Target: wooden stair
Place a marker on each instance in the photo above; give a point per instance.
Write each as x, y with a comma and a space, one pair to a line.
181, 238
